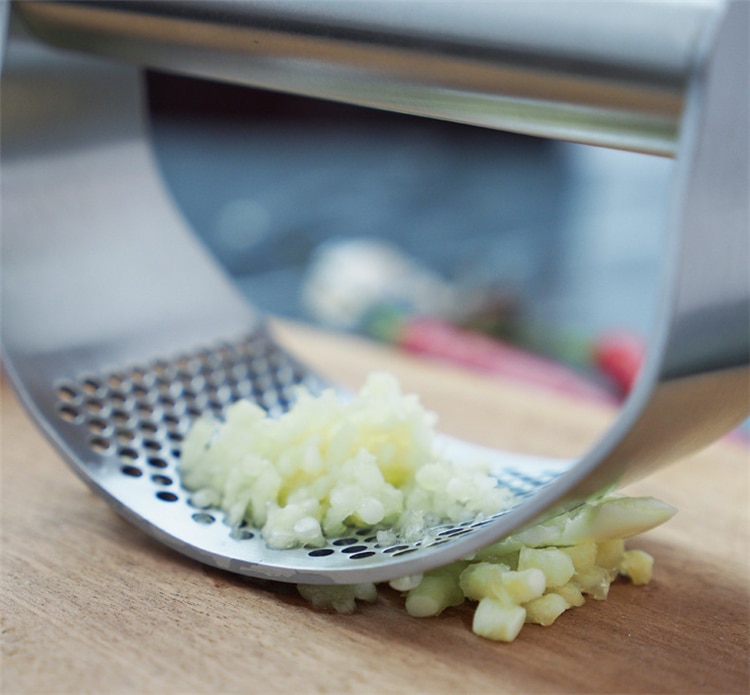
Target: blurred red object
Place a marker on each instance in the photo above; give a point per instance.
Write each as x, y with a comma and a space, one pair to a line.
619, 355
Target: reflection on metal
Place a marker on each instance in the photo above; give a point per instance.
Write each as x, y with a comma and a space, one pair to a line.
606, 73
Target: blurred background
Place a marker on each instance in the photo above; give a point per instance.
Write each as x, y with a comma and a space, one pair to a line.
333, 215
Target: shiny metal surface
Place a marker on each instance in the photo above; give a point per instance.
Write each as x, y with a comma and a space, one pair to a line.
608, 72
118, 328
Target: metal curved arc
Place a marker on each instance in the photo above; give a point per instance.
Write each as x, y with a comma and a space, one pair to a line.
695, 384
69, 182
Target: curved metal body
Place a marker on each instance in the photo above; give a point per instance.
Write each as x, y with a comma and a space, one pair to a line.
603, 73
101, 277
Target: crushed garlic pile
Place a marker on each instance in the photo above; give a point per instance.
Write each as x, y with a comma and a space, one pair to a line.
326, 467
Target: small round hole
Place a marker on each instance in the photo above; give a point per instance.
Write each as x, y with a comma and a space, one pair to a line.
92, 386
125, 436
167, 496
67, 393
145, 409
477, 524
127, 453
157, 462
140, 391
241, 534
167, 401
168, 385
345, 541
149, 427
119, 398
100, 445
98, 426
395, 548
122, 418
69, 413
360, 556
152, 445
203, 518
354, 549
189, 366
132, 471
143, 377
117, 381
320, 552
160, 368
161, 479
405, 552
96, 407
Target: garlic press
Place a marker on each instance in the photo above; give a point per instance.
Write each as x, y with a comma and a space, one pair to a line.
119, 329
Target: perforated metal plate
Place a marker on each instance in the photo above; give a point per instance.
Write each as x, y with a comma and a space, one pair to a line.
134, 420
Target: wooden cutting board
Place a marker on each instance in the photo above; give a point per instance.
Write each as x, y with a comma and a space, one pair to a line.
92, 605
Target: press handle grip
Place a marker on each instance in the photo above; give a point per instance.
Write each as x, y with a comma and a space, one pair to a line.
610, 73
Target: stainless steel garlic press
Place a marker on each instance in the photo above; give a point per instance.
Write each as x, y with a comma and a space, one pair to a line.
118, 329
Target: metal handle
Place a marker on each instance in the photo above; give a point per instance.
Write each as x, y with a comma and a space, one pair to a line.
611, 73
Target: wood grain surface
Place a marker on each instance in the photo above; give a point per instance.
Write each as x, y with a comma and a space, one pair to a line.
92, 605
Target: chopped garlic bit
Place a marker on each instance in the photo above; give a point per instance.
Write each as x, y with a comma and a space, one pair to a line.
637, 565
546, 609
342, 598
498, 621
325, 467
407, 583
